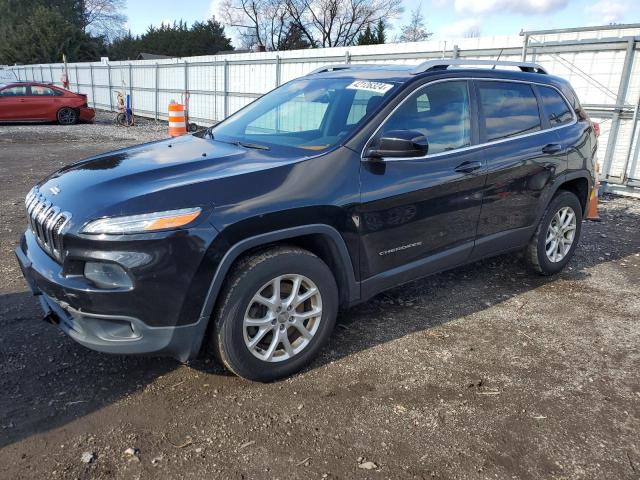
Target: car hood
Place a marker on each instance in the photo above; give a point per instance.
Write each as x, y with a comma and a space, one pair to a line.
156, 176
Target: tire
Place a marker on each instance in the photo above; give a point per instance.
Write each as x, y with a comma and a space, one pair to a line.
536, 254
255, 276
67, 116
124, 120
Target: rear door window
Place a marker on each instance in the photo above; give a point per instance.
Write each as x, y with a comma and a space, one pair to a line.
555, 107
40, 91
508, 109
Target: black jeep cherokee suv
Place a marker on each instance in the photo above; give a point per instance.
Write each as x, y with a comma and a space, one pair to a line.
248, 237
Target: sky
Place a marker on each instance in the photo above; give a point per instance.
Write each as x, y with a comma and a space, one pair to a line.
445, 18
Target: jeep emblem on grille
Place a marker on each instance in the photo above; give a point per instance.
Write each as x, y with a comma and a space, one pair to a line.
55, 190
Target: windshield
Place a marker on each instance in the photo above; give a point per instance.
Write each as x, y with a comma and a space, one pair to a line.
308, 114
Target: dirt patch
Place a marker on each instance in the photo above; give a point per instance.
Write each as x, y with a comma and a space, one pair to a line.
486, 371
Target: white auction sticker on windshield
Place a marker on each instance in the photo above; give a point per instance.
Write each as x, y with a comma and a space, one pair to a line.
378, 87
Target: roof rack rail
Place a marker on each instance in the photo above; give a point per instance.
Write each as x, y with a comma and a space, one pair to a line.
443, 64
340, 66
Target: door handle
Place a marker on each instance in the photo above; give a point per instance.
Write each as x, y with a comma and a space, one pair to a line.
552, 148
468, 167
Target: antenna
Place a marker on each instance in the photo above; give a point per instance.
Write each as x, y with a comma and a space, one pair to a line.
497, 59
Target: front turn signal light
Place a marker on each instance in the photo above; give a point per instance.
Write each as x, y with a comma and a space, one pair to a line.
146, 222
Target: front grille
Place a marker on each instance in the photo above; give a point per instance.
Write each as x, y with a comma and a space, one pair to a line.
46, 222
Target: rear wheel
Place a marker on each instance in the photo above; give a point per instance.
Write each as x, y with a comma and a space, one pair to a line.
276, 312
67, 116
557, 235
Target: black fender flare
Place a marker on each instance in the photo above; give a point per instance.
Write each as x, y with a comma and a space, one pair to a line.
353, 287
567, 177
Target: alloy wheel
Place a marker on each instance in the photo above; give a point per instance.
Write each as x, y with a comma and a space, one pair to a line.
560, 234
66, 116
282, 318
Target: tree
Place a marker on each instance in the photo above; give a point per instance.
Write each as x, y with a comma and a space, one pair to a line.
321, 23
367, 37
40, 31
177, 39
293, 39
208, 38
373, 37
259, 22
104, 18
381, 35
415, 31
334, 23
125, 47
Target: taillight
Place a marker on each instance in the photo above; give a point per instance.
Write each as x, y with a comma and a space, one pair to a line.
596, 128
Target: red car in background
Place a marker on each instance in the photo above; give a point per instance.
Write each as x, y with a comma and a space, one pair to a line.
39, 102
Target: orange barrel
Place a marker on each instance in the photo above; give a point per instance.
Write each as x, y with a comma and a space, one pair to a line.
177, 123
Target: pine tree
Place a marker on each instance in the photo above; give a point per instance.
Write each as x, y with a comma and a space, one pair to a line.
367, 37
381, 35
39, 31
176, 40
293, 39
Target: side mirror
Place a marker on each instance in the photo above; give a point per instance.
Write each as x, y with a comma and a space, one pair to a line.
399, 144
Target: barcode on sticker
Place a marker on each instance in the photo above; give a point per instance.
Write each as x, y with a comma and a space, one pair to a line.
378, 87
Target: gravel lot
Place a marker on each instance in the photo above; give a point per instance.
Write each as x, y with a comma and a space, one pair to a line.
486, 371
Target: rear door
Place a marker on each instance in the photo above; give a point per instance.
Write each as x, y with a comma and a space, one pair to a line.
419, 215
13, 102
524, 159
43, 102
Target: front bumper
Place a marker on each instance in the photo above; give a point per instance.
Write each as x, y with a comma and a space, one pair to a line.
121, 335
89, 318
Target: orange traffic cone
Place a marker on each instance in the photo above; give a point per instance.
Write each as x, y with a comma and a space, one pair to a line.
592, 207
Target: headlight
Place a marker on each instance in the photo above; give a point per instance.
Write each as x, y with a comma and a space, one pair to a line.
147, 222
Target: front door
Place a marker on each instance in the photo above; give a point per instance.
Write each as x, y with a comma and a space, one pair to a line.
13, 103
420, 215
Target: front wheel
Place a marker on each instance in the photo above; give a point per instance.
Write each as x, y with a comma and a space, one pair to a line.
277, 310
67, 116
557, 235
124, 120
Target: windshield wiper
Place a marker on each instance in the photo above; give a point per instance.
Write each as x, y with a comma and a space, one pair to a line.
252, 145
237, 143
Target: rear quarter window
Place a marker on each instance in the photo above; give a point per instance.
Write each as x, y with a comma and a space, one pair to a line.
555, 108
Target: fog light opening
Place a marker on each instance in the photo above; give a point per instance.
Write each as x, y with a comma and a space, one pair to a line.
107, 275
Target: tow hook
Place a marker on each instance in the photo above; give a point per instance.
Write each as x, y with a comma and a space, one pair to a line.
51, 318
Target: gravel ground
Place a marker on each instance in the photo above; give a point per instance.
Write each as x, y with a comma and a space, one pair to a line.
486, 371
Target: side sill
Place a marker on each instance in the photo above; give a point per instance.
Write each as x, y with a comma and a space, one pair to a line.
450, 258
